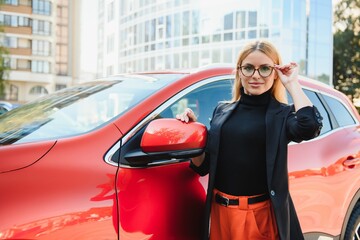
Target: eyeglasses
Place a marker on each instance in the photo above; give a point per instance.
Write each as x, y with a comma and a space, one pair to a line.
249, 70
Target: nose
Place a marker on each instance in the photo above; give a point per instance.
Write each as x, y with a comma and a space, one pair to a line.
256, 74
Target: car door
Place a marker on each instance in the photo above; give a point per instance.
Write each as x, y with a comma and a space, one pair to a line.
164, 198
321, 183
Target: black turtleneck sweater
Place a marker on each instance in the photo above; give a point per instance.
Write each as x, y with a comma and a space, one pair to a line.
241, 167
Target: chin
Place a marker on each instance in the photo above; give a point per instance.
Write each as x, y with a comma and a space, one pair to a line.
256, 91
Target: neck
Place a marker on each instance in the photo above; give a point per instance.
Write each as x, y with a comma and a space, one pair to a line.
261, 99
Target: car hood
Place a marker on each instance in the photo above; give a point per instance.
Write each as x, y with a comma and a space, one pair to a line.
18, 156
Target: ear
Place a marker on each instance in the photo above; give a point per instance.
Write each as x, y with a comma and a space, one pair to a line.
276, 75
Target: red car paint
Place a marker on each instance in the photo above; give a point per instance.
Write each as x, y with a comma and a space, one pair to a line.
180, 136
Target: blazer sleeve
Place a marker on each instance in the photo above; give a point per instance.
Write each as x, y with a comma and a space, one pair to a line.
204, 168
304, 124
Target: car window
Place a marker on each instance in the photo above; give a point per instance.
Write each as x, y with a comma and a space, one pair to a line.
318, 104
3, 110
342, 115
202, 101
78, 109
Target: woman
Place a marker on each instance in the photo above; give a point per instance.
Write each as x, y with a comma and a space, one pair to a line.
246, 154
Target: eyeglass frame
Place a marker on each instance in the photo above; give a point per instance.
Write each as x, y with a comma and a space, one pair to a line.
256, 69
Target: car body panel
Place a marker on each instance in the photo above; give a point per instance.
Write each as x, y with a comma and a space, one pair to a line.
65, 193
21, 156
147, 195
323, 188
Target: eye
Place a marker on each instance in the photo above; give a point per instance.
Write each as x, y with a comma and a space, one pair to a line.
248, 68
265, 68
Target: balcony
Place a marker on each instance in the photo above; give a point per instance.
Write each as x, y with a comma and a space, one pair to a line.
16, 8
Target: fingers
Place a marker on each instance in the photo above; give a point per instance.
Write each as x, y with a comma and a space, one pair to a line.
287, 68
187, 116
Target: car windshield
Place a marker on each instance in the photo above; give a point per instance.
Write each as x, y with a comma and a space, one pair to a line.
78, 109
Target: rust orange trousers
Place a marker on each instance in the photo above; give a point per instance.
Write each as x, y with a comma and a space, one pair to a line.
242, 222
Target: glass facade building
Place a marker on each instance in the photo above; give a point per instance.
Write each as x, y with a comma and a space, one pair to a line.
146, 35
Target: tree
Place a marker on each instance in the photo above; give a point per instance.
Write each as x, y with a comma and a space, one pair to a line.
346, 62
4, 68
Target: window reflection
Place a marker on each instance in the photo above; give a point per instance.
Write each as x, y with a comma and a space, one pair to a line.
75, 110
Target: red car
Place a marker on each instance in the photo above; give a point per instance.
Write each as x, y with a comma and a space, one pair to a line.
94, 162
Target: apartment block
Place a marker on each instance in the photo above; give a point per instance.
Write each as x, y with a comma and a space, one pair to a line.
37, 34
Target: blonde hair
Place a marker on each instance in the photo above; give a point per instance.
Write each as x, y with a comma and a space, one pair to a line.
277, 90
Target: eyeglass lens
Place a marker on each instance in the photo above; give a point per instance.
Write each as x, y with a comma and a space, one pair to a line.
263, 70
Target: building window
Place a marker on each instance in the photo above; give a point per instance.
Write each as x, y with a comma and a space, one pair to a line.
25, 2
11, 2
14, 21
228, 22
264, 33
14, 93
9, 20
40, 67
23, 64
240, 19
6, 62
185, 23
109, 70
110, 43
228, 36
216, 56
111, 11
61, 69
59, 87
195, 22
41, 48
10, 63
177, 25
62, 12
252, 19
251, 34
10, 42
61, 53
42, 7
24, 22
38, 90
169, 26
24, 43
41, 27
216, 38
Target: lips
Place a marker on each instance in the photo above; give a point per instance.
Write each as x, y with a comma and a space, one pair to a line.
255, 83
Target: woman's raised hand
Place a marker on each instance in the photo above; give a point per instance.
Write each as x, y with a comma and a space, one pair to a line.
187, 116
287, 73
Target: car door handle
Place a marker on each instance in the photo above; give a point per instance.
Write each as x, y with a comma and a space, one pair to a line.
351, 163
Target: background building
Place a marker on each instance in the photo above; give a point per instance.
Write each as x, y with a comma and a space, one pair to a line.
46, 49
39, 36
143, 35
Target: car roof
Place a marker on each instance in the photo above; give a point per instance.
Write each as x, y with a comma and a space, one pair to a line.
227, 69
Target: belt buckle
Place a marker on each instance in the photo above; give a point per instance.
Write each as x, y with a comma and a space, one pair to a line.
227, 201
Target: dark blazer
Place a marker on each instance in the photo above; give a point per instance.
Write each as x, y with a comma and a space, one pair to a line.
283, 125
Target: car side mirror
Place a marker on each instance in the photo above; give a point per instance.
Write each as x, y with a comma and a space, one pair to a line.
168, 138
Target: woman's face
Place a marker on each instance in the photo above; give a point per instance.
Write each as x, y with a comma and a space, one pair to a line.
262, 79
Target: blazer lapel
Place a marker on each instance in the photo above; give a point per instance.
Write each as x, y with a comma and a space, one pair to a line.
223, 116
274, 122
217, 122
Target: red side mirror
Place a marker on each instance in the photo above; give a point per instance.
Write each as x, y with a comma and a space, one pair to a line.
172, 135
